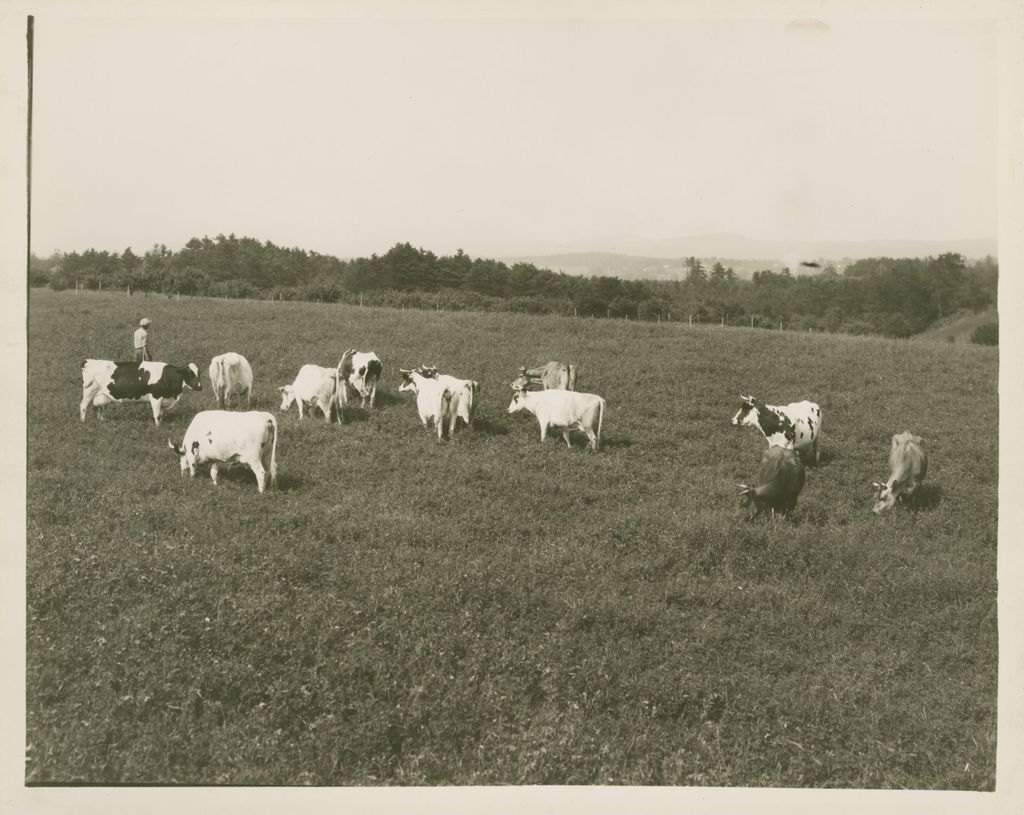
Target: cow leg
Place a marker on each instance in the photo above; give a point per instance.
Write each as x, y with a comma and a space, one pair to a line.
593, 439
565, 435
817, 454
543, 433
248, 395
261, 474
84, 406
157, 409
214, 472
299, 403
373, 396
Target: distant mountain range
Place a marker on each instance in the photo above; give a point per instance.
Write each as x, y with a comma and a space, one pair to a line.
634, 258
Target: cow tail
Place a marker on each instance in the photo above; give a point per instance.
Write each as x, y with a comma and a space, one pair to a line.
273, 452
339, 395
221, 386
445, 413
600, 421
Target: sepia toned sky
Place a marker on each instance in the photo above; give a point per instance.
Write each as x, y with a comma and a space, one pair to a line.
509, 136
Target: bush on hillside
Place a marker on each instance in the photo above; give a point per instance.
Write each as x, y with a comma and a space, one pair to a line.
987, 334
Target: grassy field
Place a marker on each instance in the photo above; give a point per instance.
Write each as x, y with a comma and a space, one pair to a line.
494, 610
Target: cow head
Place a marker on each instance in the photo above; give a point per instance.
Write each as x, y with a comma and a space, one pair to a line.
191, 378
287, 396
408, 383
518, 400
429, 371
885, 496
186, 458
747, 414
747, 502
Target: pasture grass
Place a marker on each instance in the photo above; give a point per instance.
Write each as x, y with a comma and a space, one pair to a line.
497, 611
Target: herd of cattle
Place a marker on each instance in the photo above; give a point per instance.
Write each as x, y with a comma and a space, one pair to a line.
224, 437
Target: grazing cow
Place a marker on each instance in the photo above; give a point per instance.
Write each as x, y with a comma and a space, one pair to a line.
563, 410
318, 386
230, 375
908, 465
105, 382
435, 401
779, 481
796, 425
553, 376
218, 437
467, 389
361, 370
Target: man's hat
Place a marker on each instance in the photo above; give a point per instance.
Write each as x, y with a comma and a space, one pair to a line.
144, 321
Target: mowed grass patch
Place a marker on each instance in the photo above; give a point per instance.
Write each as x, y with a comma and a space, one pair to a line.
497, 611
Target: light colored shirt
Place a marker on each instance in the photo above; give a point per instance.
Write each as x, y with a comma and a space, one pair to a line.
140, 337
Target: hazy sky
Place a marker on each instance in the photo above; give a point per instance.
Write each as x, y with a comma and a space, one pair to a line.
509, 136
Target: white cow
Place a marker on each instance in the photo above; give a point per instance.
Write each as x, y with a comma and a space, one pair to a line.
317, 386
361, 370
467, 389
218, 437
230, 375
552, 376
563, 410
435, 401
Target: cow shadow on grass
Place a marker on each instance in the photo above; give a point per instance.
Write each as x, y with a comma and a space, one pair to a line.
489, 427
386, 399
286, 482
616, 442
929, 496
244, 478
826, 456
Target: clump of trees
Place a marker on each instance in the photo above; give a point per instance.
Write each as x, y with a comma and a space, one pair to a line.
893, 297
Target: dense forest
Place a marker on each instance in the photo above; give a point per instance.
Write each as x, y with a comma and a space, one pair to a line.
893, 297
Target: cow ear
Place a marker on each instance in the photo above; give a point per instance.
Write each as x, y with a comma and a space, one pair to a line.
281, 389
174, 447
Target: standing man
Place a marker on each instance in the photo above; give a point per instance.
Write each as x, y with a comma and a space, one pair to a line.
141, 337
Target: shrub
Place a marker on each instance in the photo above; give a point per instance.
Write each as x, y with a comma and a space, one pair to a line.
987, 334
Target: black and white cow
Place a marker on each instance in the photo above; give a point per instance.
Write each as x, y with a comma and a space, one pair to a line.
796, 425
105, 382
361, 370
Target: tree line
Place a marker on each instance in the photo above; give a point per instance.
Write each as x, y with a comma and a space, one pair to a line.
894, 297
